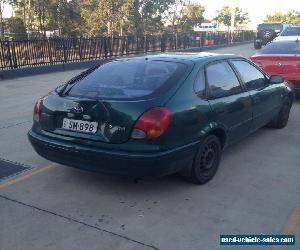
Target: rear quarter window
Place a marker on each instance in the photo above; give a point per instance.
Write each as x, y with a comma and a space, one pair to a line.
291, 31
127, 79
282, 47
222, 80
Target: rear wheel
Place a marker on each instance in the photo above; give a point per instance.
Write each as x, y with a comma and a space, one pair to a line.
206, 161
281, 120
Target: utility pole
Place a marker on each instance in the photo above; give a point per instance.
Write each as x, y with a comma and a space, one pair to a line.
233, 10
232, 21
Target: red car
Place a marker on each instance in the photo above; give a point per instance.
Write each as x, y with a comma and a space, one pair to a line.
281, 58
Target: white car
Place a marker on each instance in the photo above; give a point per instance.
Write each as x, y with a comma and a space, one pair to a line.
206, 27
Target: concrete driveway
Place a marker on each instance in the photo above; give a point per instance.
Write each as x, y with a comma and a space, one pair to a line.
50, 206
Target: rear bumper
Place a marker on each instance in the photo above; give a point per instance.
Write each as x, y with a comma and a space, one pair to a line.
113, 162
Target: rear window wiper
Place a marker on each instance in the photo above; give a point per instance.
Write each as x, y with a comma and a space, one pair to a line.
75, 79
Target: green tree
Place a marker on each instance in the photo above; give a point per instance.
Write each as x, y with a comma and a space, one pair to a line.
23, 9
288, 17
224, 16
174, 14
133, 23
102, 17
122, 17
16, 28
65, 16
42, 15
152, 15
192, 15
40, 9
2, 5
105, 17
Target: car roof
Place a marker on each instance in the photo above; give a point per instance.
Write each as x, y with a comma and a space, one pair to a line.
278, 39
287, 38
293, 26
186, 57
271, 23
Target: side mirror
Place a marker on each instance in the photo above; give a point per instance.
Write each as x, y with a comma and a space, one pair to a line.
276, 79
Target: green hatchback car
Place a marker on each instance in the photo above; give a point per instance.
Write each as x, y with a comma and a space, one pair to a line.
149, 116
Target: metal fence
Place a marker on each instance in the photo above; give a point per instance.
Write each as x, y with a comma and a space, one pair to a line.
30, 53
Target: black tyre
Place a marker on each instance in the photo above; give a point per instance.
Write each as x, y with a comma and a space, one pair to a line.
257, 46
206, 161
281, 120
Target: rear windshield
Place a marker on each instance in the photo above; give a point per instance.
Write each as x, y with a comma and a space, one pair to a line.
291, 31
282, 47
127, 79
270, 26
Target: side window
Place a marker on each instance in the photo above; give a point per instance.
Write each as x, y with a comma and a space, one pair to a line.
199, 85
222, 80
251, 76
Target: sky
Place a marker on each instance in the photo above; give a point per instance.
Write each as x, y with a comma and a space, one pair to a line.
257, 9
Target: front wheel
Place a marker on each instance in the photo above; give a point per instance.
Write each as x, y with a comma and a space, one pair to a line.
281, 120
206, 161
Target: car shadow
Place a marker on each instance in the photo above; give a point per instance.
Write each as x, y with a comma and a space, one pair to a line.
135, 186
170, 183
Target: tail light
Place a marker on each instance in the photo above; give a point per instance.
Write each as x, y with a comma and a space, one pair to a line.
37, 110
152, 124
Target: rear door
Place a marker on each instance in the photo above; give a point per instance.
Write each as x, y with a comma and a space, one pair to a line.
229, 101
265, 97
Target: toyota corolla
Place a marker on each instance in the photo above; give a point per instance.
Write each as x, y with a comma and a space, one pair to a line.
150, 116
281, 57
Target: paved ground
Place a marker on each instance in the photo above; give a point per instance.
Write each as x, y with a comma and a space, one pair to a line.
55, 207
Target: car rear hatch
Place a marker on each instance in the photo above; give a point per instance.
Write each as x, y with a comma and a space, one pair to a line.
106, 121
78, 110
285, 65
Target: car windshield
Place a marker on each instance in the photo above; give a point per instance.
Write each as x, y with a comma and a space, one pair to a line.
270, 26
282, 47
291, 31
126, 79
